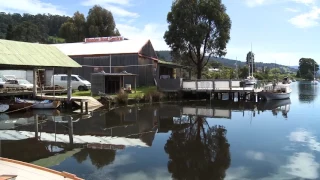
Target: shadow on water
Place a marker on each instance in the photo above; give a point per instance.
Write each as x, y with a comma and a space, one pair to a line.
307, 92
196, 150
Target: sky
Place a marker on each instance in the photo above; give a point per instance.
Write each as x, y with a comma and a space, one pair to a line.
281, 31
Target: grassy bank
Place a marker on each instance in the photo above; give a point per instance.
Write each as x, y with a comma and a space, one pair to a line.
141, 91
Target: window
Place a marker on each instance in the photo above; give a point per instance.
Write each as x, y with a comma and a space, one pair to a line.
81, 78
73, 78
64, 78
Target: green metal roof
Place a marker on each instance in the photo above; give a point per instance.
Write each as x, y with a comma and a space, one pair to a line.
14, 53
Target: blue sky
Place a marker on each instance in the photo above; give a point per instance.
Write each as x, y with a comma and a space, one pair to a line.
280, 31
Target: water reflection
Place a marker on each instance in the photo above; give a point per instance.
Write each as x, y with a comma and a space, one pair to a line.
307, 92
198, 151
195, 148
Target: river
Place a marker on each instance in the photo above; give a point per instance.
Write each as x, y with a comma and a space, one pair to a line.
195, 140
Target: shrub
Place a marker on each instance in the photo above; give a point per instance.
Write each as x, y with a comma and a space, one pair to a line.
153, 96
138, 97
122, 97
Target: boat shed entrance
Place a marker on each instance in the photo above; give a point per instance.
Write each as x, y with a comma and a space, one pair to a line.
110, 83
16, 55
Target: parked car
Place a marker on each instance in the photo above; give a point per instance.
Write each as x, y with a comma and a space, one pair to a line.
18, 83
77, 82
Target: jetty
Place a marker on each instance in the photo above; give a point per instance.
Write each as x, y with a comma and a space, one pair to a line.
85, 102
214, 88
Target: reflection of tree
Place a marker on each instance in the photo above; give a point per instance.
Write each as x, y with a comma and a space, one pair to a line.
98, 157
198, 152
307, 92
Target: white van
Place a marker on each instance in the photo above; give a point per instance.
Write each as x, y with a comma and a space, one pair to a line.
77, 82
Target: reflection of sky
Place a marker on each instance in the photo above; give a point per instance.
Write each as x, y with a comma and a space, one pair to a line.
264, 147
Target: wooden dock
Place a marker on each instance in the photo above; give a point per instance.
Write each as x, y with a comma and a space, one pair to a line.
90, 102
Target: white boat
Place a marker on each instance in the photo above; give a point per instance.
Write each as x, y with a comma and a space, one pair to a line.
45, 104
314, 82
275, 92
250, 81
13, 169
4, 107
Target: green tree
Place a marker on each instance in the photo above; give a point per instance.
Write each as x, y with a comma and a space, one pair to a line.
196, 29
250, 61
243, 72
74, 29
9, 35
100, 22
27, 32
307, 67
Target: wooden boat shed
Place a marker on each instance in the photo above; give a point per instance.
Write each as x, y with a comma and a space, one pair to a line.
16, 55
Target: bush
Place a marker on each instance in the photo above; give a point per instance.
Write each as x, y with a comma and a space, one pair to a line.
138, 97
122, 97
153, 96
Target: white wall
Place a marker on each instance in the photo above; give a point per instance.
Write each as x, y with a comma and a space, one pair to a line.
27, 74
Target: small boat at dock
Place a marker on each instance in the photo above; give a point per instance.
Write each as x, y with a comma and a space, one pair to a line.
13, 169
44, 104
276, 91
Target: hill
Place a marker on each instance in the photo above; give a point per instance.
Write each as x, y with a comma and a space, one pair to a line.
166, 55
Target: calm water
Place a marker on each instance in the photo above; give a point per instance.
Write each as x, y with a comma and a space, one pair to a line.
221, 140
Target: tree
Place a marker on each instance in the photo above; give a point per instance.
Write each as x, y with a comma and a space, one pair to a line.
9, 35
243, 72
100, 22
198, 29
250, 61
27, 32
74, 29
307, 67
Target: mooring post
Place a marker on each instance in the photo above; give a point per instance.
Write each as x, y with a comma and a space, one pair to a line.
86, 106
36, 131
81, 105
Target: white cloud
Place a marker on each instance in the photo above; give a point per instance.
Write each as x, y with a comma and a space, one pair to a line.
94, 2
259, 156
306, 2
292, 10
30, 6
254, 3
307, 20
117, 7
151, 31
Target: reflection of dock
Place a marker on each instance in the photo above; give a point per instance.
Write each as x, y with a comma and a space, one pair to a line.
207, 112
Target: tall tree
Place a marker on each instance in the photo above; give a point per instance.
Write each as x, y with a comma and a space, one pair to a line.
198, 28
74, 29
250, 61
100, 22
27, 32
307, 68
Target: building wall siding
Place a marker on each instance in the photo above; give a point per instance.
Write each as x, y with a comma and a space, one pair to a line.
148, 50
119, 63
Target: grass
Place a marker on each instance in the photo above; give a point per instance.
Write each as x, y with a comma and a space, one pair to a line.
140, 92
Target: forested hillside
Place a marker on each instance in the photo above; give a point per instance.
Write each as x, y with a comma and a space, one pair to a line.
48, 28
166, 55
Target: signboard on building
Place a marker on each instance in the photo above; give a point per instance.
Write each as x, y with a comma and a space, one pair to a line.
104, 39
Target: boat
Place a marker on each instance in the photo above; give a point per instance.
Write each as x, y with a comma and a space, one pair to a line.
275, 91
13, 106
44, 104
250, 81
4, 108
13, 169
